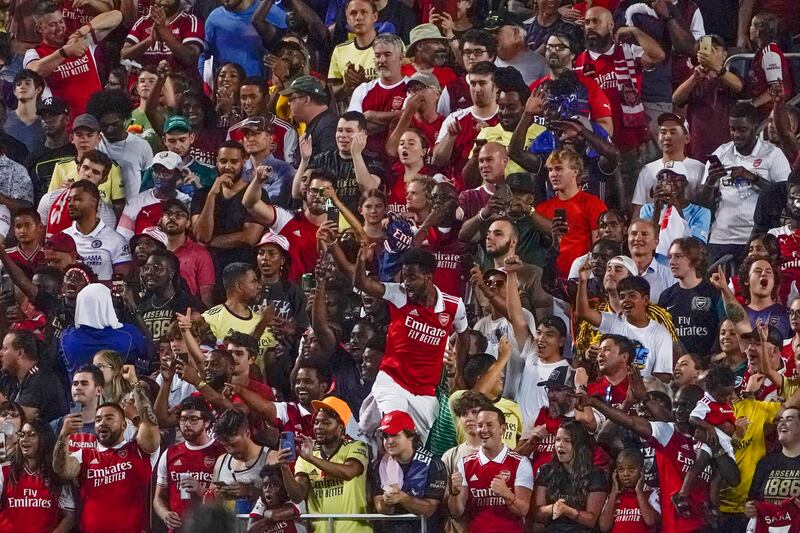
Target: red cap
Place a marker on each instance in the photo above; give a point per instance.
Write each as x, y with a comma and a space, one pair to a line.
396, 421
61, 242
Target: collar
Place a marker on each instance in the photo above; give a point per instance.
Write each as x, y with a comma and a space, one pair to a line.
499, 459
439, 306
203, 447
97, 229
31, 255
756, 149
609, 52
101, 448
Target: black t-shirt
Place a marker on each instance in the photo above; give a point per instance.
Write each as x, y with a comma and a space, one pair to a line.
41, 163
42, 389
322, 130
777, 478
230, 216
424, 476
60, 315
288, 300
347, 376
346, 184
157, 318
597, 483
696, 314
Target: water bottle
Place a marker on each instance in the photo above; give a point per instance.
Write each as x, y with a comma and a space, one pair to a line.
184, 492
743, 187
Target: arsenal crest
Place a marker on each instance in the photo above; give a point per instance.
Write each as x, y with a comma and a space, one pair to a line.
123, 453
444, 318
209, 461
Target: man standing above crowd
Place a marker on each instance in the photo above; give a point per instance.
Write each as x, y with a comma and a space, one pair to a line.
512, 51
422, 317
308, 103
353, 62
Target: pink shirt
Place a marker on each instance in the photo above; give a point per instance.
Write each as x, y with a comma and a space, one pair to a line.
196, 266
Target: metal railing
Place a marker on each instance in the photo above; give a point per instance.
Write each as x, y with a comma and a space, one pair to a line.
331, 518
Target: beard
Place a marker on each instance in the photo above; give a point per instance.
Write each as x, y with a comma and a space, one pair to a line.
499, 250
597, 42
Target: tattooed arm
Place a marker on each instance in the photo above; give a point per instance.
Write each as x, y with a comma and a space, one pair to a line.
733, 309
65, 466
147, 436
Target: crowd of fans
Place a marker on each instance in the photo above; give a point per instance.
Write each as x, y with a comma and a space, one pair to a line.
503, 267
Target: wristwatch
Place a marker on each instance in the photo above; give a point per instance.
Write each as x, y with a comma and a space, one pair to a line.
531, 211
721, 72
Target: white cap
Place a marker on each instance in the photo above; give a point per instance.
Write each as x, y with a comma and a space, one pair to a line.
270, 237
5, 221
625, 261
168, 160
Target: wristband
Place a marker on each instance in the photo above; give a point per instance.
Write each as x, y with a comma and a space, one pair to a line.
480, 216
721, 72
62, 53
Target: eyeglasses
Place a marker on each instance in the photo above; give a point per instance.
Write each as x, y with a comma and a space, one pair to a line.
190, 419
174, 214
794, 312
101, 366
556, 47
496, 283
9, 414
475, 52
26, 435
318, 192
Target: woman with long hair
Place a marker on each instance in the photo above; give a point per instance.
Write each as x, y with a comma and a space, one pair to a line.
226, 94
12, 417
43, 504
110, 364
413, 152
570, 492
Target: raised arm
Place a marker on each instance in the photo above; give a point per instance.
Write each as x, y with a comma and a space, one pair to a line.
263, 212
320, 321
403, 123
361, 281
148, 436
653, 53
66, 466
265, 30
17, 275
365, 180
636, 424
516, 147
733, 309
584, 310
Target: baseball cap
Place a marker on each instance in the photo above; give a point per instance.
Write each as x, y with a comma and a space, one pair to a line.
52, 106
676, 167
256, 123
556, 323
561, 378
334, 405
168, 160
177, 122
154, 233
504, 18
774, 336
522, 181
86, 121
395, 422
61, 242
674, 117
425, 78
625, 261
174, 203
270, 237
305, 84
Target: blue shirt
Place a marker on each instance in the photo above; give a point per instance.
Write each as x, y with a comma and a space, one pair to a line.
78, 346
279, 182
696, 216
231, 37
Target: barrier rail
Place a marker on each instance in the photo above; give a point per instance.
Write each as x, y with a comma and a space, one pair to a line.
331, 518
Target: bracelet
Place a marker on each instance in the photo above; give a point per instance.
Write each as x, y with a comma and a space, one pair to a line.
62, 53
480, 216
61, 442
201, 384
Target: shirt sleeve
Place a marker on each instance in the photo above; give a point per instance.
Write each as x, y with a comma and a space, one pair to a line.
137, 32
640, 194
122, 253
700, 411
335, 71
282, 217
646, 212
524, 477
443, 105
117, 187
460, 323
358, 450
30, 56
437, 480
663, 353
445, 125
780, 168
460, 467
66, 500
394, 294
772, 65
662, 432
127, 220
358, 98
609, 323
697, 26
161, 475
195, 33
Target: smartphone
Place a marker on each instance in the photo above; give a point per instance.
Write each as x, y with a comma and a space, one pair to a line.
446, 6
6, 283
118, 286
713, 160
287, 441
309, 282
706, 45
333, 214
561, 214
76, 409
182, 356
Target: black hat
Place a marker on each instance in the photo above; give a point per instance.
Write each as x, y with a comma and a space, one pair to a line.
504, 18
561, 378
52, 106
774, 336
522, 181
556, 323
174, 202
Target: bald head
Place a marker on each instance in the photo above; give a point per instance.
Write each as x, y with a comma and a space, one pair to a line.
598, 29
492, 161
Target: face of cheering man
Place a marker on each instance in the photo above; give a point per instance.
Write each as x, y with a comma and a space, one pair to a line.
109, 425
490, 430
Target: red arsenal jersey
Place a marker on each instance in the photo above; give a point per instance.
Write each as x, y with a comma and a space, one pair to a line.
75, 17
465, 140
375, 96
454, 96
450, 275
613, 395
486, 511
602, 69
74, 80
417, 338
114, 487
769, 65
186, 28
32, 262
789, 246
628, 514
675, 455
31, 501
302, 236
184, 458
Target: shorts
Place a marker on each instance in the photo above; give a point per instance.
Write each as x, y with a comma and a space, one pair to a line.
388, 396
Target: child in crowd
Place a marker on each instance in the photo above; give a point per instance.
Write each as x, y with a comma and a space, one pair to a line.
274, 512
629, 508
